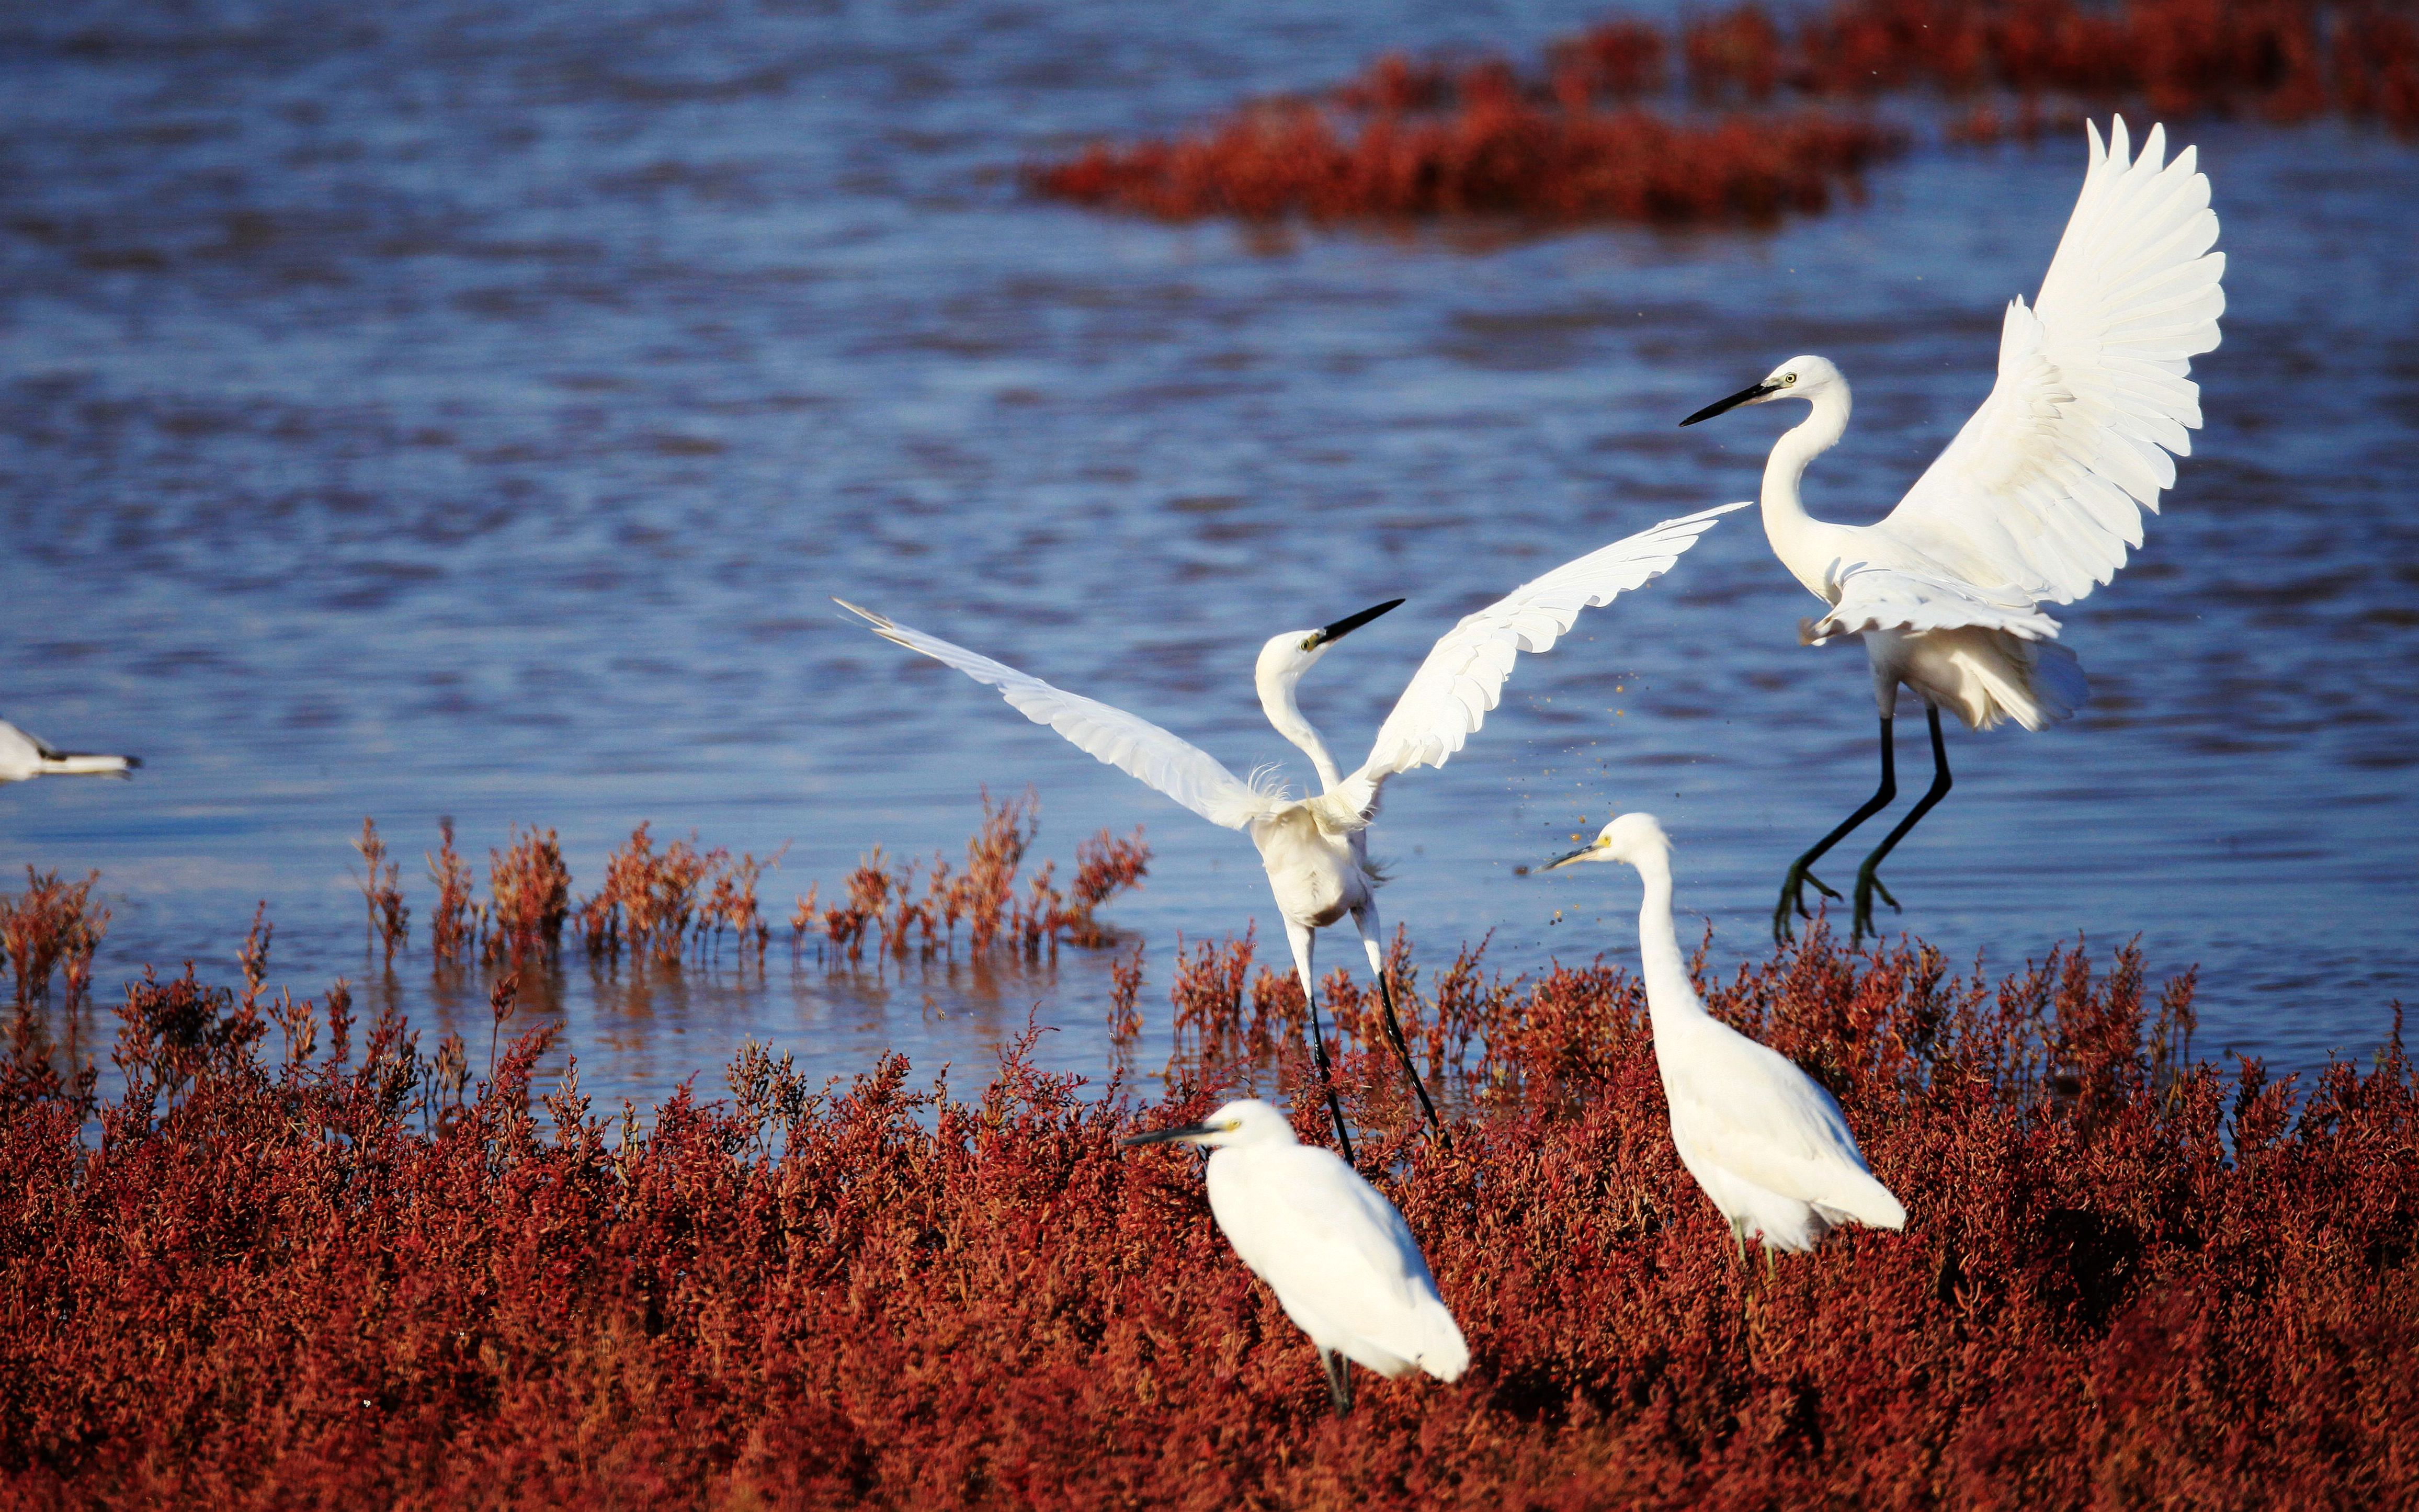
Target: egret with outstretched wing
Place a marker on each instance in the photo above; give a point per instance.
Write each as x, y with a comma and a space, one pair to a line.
2038, 498
1316, 848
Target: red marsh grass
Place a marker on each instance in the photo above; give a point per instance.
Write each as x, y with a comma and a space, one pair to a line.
294, 1271
1594, 132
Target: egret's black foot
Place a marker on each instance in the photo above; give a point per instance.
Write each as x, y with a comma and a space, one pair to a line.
1867, 883
1339, 1382
1792, 907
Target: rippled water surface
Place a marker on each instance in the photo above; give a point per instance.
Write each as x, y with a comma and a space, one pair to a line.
454, 410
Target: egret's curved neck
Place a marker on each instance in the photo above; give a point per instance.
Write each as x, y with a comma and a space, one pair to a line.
1669, 991
1277, 703
1796, 537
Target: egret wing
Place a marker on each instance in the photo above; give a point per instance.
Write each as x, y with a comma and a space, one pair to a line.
2040, 488
1752, 1112
1463, 676
21, 754
1335, 1250
1132, 744
1872, 597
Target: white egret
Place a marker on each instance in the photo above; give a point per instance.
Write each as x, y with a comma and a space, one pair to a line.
1314, 849
24, 757
1337, 1254
2034, 500
1763, 1139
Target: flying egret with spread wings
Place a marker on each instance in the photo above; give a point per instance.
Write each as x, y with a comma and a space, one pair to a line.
1763, 1139
2035, 500
1316, 848
1339, 1256
24, 757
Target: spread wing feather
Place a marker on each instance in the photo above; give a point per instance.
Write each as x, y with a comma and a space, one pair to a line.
2042, 489
1132, 744
1750, 1111
1871, 597
1463, 676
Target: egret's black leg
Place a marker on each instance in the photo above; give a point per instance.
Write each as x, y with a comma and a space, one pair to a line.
1365, 920
1394, 1032
1793, 888
1339, 1381
1867, 883
1304, 943
1327, 1081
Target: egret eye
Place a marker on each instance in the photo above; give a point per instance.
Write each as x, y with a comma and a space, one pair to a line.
1310, 643
1788, 378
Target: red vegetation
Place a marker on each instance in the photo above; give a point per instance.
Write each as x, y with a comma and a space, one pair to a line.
2282, 60
285, 1276
883, 896
52, 927
455, 926
390, 921
1404, 141
529, 892
1418, 138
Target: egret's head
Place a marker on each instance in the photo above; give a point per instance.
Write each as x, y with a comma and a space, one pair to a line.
1287, 656
1800, 378
1630, 838
1244, 1121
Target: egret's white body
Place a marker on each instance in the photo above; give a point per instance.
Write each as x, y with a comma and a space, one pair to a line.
1763, 1139
1314, 849
2037, 500
1341, 1261
24, 757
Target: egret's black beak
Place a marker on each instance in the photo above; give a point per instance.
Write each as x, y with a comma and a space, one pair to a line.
1161, 1136
1349, 624
1565, 860
1747, 395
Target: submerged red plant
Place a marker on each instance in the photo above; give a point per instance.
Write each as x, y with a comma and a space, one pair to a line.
2128, 1277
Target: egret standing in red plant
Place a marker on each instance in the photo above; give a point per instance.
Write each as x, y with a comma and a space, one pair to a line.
2035, 500
24, 757
1314, 849
1763, 1138
1339, 1256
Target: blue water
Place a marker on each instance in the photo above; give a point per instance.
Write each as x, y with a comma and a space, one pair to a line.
462, 410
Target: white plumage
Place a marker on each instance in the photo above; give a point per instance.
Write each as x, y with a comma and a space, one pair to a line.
1314, 849
1763, 1139
24, 757
1341, 1261
2036, 501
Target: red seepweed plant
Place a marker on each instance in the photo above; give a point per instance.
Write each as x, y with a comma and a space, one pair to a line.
884, 901
52, 927
1407, 141
455, 924
1585, 138
2129, 1276
390, 920
529, 892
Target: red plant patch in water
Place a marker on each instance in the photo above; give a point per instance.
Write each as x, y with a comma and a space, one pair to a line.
2281, 60
1408, 141
52, 927
1412, 138
290, 1276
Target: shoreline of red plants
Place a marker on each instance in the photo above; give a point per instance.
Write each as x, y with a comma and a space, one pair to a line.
305, 1260
1738, 116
